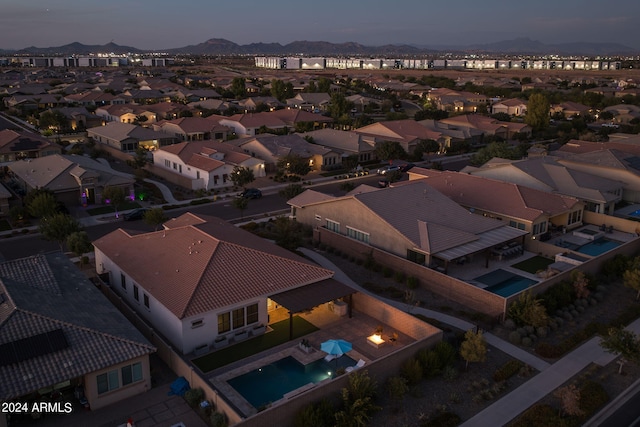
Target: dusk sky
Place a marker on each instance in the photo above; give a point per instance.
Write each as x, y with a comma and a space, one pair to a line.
164, 24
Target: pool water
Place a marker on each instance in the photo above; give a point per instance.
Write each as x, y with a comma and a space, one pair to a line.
598, 247
505, 283
271, 382
635, 213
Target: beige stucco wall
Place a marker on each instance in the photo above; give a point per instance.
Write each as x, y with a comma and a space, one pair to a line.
349, 212
123, 392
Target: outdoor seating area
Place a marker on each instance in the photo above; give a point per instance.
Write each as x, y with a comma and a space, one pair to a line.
504, 252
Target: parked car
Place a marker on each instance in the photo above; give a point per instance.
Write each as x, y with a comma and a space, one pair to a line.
386, 169
406, 167
251, 193
383, 183
135, 214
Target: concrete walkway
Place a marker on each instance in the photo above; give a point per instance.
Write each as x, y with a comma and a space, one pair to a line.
551, 376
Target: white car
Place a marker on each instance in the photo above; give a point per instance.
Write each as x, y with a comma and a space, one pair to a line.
385, 170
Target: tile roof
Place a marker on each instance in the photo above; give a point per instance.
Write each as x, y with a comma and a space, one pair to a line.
204, 266
398, 130
46, 293
516, 201
12, 141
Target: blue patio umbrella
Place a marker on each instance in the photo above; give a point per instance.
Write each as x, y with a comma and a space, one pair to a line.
336, 347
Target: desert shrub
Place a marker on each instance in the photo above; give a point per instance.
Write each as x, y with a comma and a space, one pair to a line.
542, 332
412, 282
538, 416
526, 341
218, 419
319, 414
443, 419
400, 277
446, 353
194, 396
514, 337
411, 370
510, 324
557, 296
592, 397
430, 362
449, 373
387, 272
616, 266
507, 370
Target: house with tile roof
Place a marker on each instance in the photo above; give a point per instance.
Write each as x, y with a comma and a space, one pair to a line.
346, 143
126, 113
59, 334
521, 207
488, 125
407, 133
74, 180
18, 145
412, 221
513, 107
569, 109
201, 280
248, 124
617, 160
205, 165
271, 148
456, 101
193, 129
550, 174
128, 137
310, 101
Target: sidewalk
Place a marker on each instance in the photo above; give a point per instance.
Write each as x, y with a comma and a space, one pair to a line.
514, 403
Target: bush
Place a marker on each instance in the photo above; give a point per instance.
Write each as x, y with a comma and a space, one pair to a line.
526, 341
387, 272
412, 282
507, 370
446, 353
218, 419
316, 414
514, 337
400, 277
510, 324
430, 362
411, 370
444, 419
592, 397
194, 396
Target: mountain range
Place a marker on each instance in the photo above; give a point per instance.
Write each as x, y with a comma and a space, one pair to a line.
217, 46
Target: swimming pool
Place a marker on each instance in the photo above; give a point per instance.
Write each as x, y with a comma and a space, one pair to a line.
505, 283
271, 382
634, 213
598, 247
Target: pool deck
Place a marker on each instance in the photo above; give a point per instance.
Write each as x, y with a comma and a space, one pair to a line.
355, 330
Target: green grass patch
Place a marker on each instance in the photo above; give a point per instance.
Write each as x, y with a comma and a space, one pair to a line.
533, 265
109, 208
4, 225
279, 335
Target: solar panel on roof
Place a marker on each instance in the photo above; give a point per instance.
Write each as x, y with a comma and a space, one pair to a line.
34, 346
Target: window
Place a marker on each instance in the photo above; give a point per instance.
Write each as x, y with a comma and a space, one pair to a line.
123, 281
333, 226
318, 218
135, 293
107, 381
539, 228
131, 373
146, 300
417, 257
515, 224
197, 323
358, 235
224, 323
197, 174
238, 318
252, 313
575, 217
167, 163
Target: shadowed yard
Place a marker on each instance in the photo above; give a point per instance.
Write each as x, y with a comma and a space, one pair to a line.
533, 265
279, 335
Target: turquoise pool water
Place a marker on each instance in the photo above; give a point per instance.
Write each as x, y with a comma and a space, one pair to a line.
505, 283
271, 382
598, 247
635, 213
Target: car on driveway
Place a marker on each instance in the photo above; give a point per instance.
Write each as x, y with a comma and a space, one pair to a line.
387, 169
251, 193
135, 214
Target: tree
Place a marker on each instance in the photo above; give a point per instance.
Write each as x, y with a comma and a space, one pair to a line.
281, 90
324, 85
569, 400
155, 217
140, 159
293, 163
580, 284
291, 191
495, 149
58, 228
622, 342
537, 112
339, 106
242, 176
527, 310
79, 243
289, 233
238, 87
389, 150
240, 203
114, 196
474, 347
631, 277
53, 119
357, 400
42, 205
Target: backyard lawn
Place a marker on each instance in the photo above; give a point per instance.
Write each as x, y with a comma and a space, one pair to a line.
279, 335
533, 265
